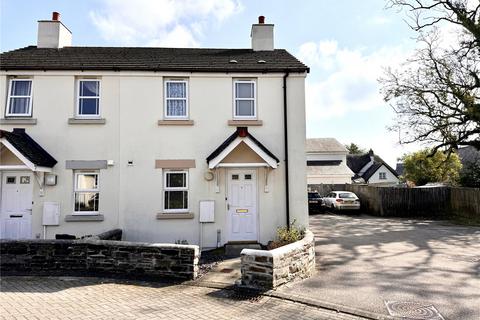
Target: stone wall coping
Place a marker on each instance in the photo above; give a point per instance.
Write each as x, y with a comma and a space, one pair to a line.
107, 242
279, 252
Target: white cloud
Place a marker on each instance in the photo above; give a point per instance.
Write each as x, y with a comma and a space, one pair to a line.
344, 83
176, 23
378, 20
348, 78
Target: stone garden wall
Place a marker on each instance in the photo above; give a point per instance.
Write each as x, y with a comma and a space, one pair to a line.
93, 257
263, 269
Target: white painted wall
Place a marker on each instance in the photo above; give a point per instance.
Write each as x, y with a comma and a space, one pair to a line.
131, 196
391, 178
338, 174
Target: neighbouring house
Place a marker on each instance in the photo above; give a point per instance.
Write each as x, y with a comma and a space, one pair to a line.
327, 162
167, 144
469, 156
371, 169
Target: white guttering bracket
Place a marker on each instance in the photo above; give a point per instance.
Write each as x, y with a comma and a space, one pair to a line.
215, 162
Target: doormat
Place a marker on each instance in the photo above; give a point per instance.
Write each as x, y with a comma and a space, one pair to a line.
413, 310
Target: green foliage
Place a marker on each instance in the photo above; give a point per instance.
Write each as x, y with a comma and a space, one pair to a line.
470, 175
422, 167
287, 235
181, 241
354, 149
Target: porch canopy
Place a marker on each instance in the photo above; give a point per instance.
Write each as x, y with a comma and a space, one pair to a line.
241, 149
19, 151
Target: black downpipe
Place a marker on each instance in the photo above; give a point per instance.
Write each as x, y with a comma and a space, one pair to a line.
285, 131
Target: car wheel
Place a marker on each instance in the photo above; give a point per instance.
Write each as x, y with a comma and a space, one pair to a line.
332, 207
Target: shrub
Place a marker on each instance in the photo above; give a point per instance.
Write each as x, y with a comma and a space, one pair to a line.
287, 235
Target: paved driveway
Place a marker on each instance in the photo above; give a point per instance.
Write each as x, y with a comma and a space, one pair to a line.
93, 298
364, 261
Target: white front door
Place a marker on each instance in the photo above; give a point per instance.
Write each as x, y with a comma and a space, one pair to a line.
16, 205
242, 205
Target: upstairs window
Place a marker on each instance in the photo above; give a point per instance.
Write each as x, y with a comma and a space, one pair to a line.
86, 193
244, 99
176, 101
175, 191
382, 175
88, 98
20, 97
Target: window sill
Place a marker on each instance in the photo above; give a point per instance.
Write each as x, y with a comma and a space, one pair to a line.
86, 121
80, 218
245, 122
18, 120
175, 122
166, 216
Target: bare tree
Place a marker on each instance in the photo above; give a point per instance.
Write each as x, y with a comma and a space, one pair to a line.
436, 93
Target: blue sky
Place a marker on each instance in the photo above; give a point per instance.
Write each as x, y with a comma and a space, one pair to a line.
346, 43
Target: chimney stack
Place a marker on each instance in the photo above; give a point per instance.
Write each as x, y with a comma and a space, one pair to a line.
262, 35
53, 34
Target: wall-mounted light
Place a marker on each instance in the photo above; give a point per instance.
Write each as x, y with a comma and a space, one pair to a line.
50, 179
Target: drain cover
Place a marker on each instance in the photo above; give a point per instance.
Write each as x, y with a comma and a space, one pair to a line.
413, 310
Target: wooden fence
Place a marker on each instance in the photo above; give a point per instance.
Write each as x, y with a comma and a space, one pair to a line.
432, 203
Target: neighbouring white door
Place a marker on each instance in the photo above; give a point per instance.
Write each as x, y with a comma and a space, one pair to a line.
16, 205
242, 205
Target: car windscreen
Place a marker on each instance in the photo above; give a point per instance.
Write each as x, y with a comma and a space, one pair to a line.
346, 196
313, 195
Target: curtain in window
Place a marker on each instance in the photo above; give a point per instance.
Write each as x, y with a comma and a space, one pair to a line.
176, 90
176, 99
176, 108
21, 88
20, 95
89, 88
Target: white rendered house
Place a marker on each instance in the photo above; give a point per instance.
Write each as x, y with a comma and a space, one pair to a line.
203, 145
327, 162
371, 169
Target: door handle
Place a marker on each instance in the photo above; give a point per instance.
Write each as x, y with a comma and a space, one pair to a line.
228, 206
16, 216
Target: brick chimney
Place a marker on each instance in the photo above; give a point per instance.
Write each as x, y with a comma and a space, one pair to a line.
262, 35
53, 33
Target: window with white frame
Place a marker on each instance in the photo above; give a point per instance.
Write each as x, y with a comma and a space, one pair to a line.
19, 97
175, 188
176, 99
86, 192
244, 99
88, 104
382, 175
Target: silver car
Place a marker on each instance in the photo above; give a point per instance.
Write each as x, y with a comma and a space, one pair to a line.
341, 200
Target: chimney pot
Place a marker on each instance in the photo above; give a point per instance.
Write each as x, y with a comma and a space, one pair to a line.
55, 16
261, 19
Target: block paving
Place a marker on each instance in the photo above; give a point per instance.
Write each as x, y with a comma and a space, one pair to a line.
99, 298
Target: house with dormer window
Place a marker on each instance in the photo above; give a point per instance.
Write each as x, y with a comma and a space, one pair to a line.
196, 144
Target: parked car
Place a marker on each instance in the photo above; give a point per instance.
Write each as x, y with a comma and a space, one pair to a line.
314, 202
341, 200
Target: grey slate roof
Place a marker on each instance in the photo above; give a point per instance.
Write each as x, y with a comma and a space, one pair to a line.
150, 59
357, 161
324, 145
469, 155
28, 147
